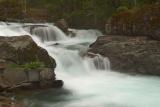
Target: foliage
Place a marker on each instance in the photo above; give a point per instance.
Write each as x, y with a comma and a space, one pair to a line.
33, 65
14, 65
28, 66
79, 13
84, 13
143, 21
122, 8
10, 9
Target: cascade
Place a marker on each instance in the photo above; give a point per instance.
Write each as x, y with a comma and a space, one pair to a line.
88, 82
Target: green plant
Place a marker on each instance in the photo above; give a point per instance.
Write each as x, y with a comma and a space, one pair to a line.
28, 66
122, 9
14, 65
33, 65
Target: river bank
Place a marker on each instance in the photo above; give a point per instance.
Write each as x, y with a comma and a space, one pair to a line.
133, 55
131, 41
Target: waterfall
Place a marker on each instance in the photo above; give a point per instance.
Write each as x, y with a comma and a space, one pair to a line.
68, 51
88, 81
48, 33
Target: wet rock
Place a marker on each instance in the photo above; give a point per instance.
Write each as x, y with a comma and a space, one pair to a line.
58, 83
63, 25
91, 55
129, 54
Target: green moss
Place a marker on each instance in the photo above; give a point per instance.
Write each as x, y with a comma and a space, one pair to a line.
14, 65
122, 8
33, 65
29, 66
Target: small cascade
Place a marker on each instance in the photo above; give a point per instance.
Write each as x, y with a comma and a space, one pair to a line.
97, 61
68, 51
48, 33
101, 63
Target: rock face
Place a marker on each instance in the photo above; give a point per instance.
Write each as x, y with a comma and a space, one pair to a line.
23, 51
130, 54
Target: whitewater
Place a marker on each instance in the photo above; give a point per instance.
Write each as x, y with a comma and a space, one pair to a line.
88, 82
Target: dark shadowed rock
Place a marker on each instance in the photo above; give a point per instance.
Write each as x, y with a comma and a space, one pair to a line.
58, 83
130, 54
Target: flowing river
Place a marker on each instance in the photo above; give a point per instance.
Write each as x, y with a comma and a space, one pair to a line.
88, 82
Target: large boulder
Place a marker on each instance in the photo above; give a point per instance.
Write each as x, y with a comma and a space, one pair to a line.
130, 54
22, 49
23, 62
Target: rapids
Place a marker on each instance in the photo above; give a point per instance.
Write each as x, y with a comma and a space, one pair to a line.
85, 85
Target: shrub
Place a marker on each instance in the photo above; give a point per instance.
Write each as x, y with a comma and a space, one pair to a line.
122, 9
32, 65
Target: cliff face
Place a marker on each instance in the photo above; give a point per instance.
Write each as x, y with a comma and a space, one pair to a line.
144, 21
